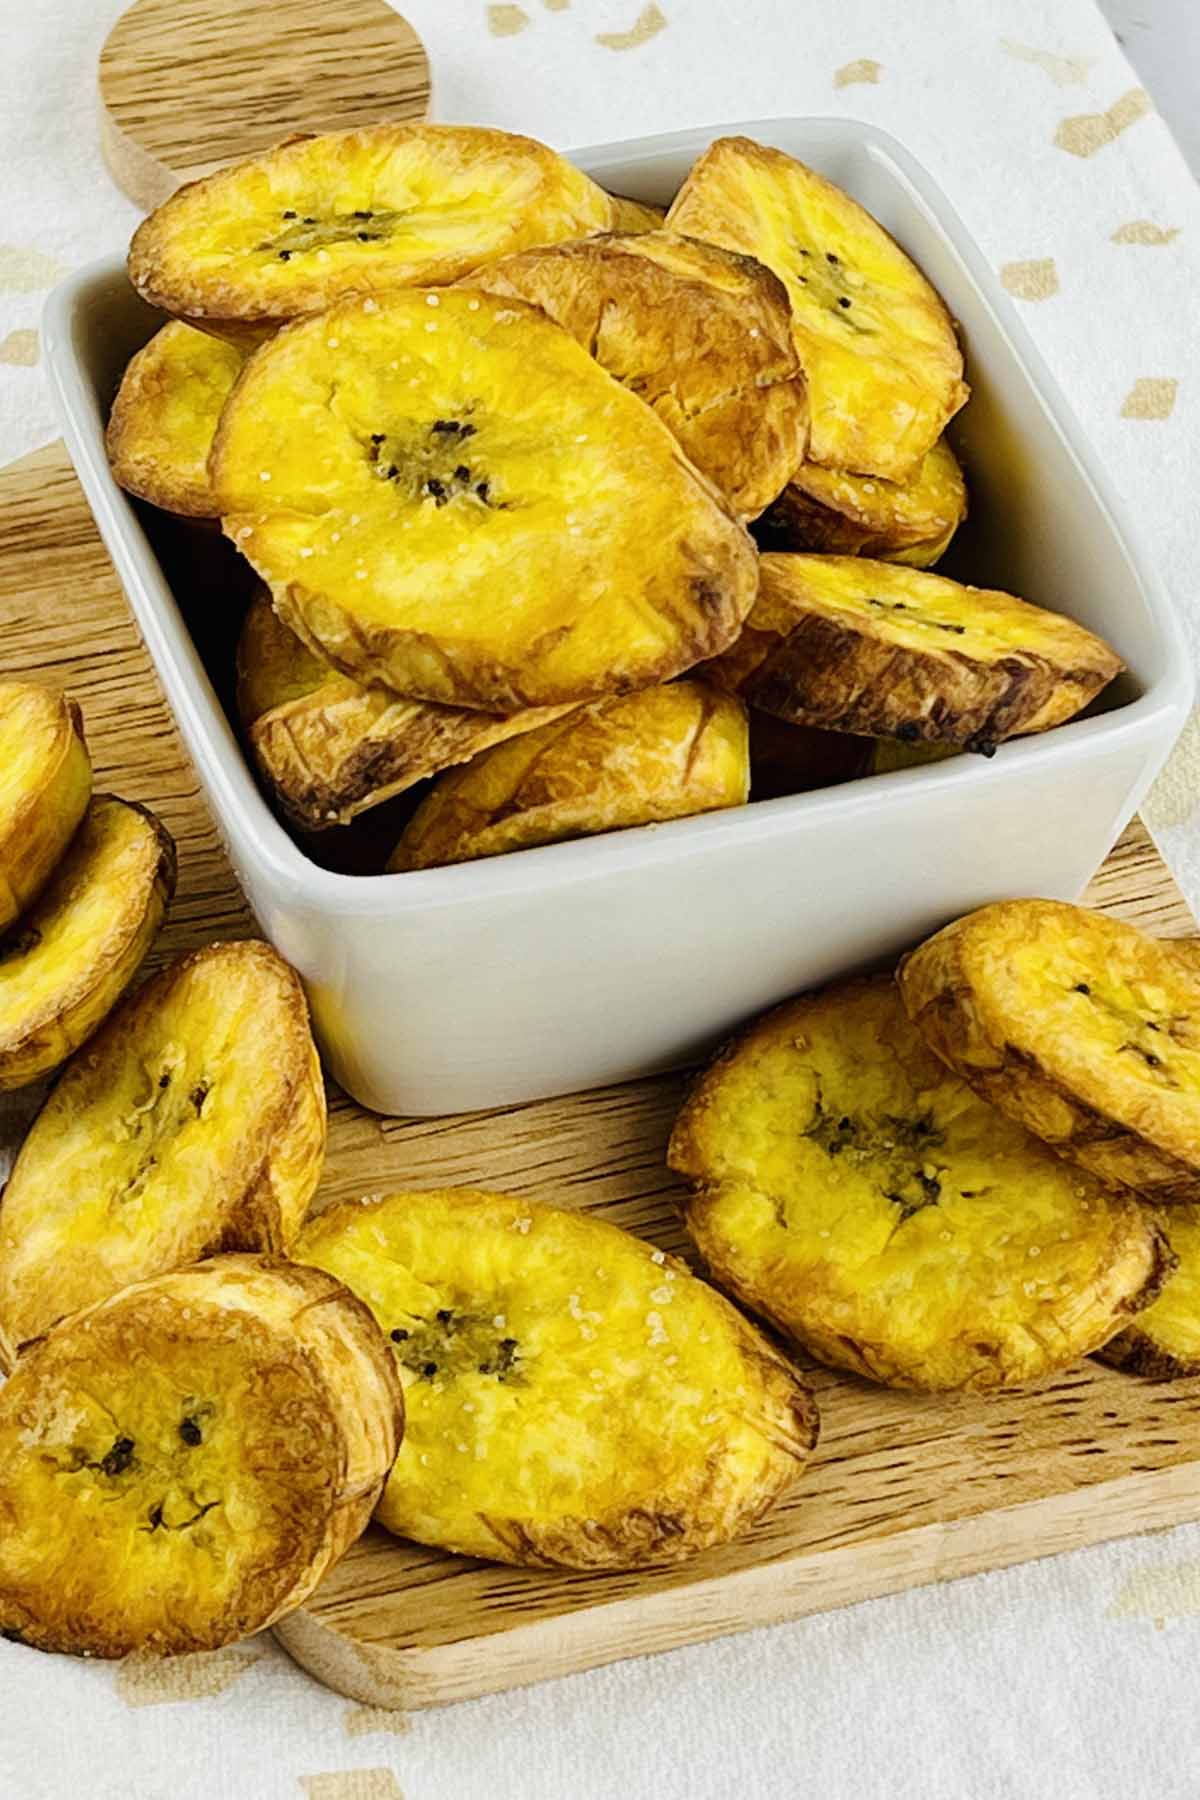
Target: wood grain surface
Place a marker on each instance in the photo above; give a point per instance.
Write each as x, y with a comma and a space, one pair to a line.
904, 1490
186, 85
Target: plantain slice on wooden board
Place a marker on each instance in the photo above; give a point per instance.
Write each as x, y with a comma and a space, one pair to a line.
164, 418
66, 963
836, 514
850, 644
855, 1192
183, 1463
884, 368
1164, 1341
198, 1113
448, 496
1079, 1026
45, 785
664, 753
317, 219
703, 335
573, 1396
329, 748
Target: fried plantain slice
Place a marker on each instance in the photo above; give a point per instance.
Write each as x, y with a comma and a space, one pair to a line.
182, 1463
635, 215
885, 372
45, 785
911, 521
67, 962
856, 1193
318, 219
1164, 1341
198, 1113
164, 418
701, 334
329, 748
573, 1396
870, 647
1079, 1026
447, 495
663, 753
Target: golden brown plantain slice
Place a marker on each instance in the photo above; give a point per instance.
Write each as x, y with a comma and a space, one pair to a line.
447, 495
870, 647
329, 748
663, 753
184, 1462
701, 334
837, 514
45, 784
1078, 1025
198, 1114
856, 1193
66, 963
878, 347
1164, 1341
164, 418
635, 215
318, 219
573, 1396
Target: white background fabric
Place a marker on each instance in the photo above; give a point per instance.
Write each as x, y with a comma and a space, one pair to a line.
1073, 1678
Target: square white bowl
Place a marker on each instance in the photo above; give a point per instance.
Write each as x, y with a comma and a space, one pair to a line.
583, 963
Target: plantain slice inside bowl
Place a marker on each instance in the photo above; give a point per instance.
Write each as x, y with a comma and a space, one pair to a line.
1164, 1341
663, 753
635, 215
1076, 1024
701, 334
885, 372
45, 785
354, 212
836, 514
182, 1463
572, 1395
64, 965
198, 1113
855, 1192
330, 748
164, 418
851, 644
448, 496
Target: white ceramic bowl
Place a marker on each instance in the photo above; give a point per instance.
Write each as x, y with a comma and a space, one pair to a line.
583, 963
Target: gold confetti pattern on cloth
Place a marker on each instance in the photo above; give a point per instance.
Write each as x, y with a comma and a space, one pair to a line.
1144, 231
1064, 71
506, 21
20, 348
1150, 397
363, 1721
648, 24
1037, 280
1171, 1591
1086, 133
851, 73
1176, 793
158, 1680
353, 1784
25, 271
556, 5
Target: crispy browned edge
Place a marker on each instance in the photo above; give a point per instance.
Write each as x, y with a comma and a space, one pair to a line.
157, 482
38, 838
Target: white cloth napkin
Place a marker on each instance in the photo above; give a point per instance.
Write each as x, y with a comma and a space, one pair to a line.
1066, 1680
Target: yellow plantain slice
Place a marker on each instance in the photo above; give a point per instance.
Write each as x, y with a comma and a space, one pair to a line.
198, 1114
184, 1462
857, 1194
67, 962
45, 784
884, 651
164, 418
837, 514
1078, 1025
447, 495
663, 753
318, 219
635, 215
1164, 1341
878, 347
329, 748
702, 335
572, 1395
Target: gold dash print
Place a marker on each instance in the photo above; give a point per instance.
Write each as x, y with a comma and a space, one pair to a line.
20, 348
362, 1721
506, 21
1037, 280
158, 1680
865, 69
1086, 133
648, 24
353, 1784
1064, 71
1144, 231
1150, 397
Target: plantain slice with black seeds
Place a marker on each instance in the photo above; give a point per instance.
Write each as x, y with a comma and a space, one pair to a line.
164, 418
836, 514
573, 1396
449, 497
317, 219
884, 368
850, 644
67, 961
182, 1463
854, 1191
45, 785
1164, 1341
1079, 1026
193, 1121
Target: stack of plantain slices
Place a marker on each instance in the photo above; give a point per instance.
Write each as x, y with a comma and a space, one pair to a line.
495, 476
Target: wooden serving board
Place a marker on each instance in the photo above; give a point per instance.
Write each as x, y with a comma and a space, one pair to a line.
904, 1489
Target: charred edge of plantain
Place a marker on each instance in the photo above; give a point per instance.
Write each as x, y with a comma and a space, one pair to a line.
1134, 1352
